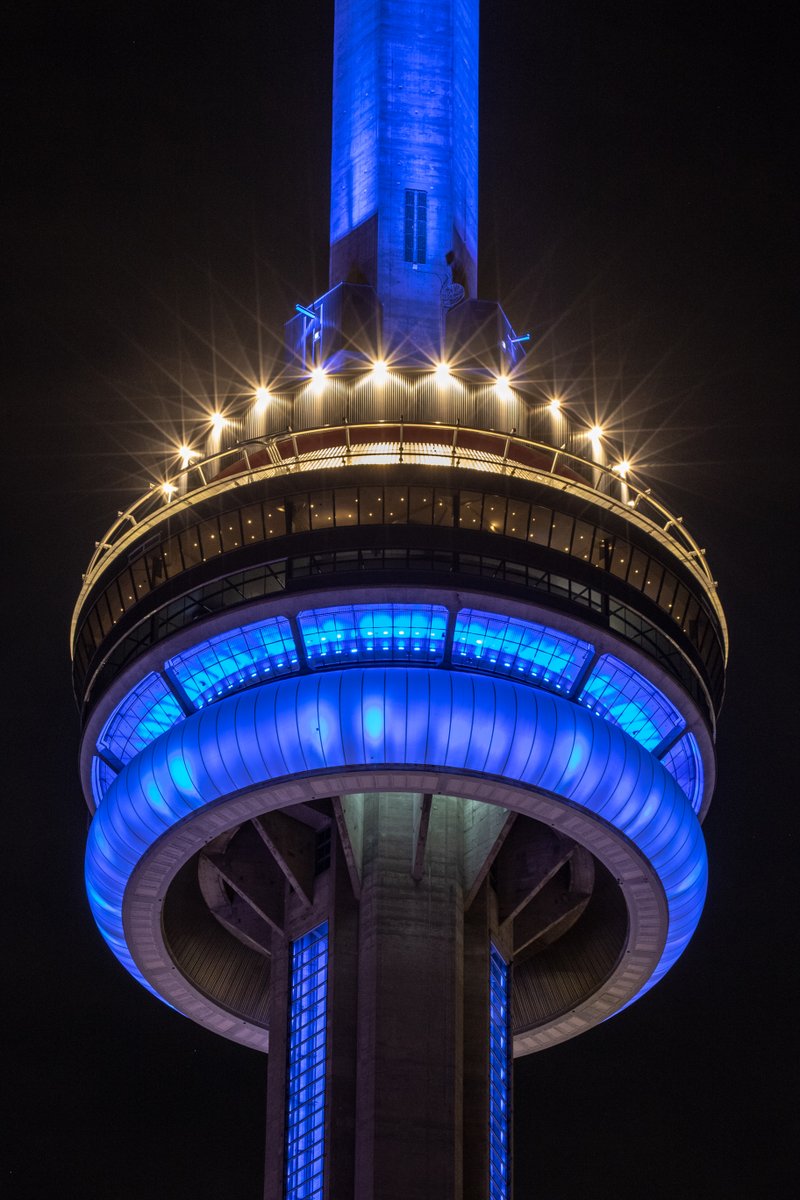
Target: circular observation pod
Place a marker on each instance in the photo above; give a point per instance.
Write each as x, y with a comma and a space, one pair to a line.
350, 674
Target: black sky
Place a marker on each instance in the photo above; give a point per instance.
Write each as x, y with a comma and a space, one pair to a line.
167, 178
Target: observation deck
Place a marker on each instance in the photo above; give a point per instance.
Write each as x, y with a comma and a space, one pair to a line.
353, 524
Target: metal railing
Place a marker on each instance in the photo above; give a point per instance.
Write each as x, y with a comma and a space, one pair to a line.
282, 454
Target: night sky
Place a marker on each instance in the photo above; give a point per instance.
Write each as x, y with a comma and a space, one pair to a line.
166, 205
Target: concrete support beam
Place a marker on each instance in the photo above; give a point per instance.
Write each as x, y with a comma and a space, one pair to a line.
245, 924
486, 827
555, 908
528, 859
349, 813
422, 817
293, 846
251, 871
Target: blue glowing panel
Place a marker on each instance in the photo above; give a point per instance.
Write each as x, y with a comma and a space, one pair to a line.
622, 696
405, 119
499, 1076
520, 649
372, 717
410, 633
235, 660
146, 712
102, 778
685, 766
305, 1138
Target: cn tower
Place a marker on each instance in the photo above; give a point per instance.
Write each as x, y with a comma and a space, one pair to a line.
399, 696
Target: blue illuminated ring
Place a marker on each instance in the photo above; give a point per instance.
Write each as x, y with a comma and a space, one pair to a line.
282, 735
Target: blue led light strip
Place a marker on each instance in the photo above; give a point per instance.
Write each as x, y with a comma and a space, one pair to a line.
499, 1076
305, 1139
374, 633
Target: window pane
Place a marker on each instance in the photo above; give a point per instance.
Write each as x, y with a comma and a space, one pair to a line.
321, 506
539, 531
346, 501
470, 504
517, 519
230, 530
443, 507
371, 505
420, 505
395, 505
561, 532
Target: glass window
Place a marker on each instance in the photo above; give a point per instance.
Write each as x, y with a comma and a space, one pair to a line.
274, 518
685, 765
517, 519
679, 604
443, 506
190, 547
499, 1076
305, 1108
420, 505
470, 506
520, 649
141, 582
171, 555
146, 712
371, 505
638, 571
346, 500
620, 559
300, 514
494, 514
561, 532
321, 506
619, 694
252, 523
602, 549
102, 778
652, 579
208, 534
395, 505
372, 633
234, 660
582, 540
667, 594
541, 520
230, 530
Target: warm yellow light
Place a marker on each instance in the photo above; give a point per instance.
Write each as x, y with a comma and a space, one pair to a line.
380, 371
186, 454
318, 378
622, 468
502, 387
262, 398
169, 490
595, 434
442, 374
555, 405
218, 422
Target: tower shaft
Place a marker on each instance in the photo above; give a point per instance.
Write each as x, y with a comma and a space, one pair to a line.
404, 165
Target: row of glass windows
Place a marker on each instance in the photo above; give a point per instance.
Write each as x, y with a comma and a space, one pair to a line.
269, 579
395, 633
342, 507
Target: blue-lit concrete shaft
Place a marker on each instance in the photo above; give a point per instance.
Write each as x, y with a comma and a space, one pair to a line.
404, 161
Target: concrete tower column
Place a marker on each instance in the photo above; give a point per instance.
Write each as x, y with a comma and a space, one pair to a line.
404, 162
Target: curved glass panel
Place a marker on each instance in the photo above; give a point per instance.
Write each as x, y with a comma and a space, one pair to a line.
147, 711
234, 660
305, 1134
685, 766
102, 778
499, 1075
374, 633
507, 646
622, 696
